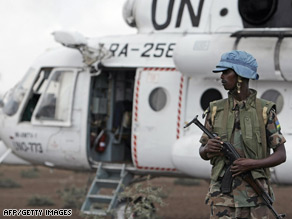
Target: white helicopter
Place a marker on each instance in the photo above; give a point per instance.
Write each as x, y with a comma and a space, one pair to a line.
124, 100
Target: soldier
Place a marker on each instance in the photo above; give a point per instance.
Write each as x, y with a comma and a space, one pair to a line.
251, 125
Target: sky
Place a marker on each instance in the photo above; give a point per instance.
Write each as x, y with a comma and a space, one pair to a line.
27, 27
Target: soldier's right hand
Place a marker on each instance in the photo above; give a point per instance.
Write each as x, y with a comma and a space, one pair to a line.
214, 147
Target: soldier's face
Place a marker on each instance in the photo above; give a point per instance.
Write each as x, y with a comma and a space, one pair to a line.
229, 79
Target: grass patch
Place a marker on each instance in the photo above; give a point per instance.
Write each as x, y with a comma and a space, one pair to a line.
141, 200
73, 197
8, 183
30, 173
38, 200
187, 182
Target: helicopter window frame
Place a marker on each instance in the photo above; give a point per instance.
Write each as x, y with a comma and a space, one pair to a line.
252, 16
276, 97
224, 12
209, 95
56, 74
36, 89
158, 99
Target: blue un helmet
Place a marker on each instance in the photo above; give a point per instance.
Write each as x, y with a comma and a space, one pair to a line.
243, 63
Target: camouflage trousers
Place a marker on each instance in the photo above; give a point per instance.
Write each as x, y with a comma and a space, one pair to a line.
225, 212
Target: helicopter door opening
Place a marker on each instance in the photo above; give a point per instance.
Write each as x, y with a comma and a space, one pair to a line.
111, 103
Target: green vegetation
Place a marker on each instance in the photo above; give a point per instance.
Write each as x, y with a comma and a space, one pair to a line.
140, 199
30, 173
8, 183
38, 200
73, 197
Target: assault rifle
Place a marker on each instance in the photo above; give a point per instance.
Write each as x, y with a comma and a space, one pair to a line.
231, 154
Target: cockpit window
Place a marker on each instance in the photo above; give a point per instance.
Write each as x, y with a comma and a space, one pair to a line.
42, 80
15, 96
55, 104
40, 83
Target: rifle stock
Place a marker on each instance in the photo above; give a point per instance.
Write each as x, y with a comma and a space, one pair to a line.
232, 155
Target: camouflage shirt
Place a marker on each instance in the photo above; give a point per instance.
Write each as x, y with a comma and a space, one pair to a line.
242, 194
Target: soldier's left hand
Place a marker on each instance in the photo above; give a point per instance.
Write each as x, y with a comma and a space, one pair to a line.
241, 165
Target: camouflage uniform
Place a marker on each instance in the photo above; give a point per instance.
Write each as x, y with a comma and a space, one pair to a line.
242, 201
224, 212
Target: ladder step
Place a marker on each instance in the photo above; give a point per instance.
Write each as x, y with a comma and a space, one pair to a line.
103, 194
109, 176
101, 198
107, 183
96, 212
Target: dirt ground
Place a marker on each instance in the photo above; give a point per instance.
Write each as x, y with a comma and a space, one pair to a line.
183, 201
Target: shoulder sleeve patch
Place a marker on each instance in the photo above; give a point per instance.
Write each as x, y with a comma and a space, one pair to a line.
206, 112
214, 110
